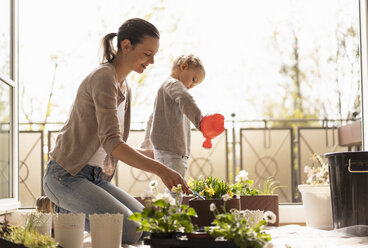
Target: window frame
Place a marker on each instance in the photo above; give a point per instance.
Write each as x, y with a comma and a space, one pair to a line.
8, 204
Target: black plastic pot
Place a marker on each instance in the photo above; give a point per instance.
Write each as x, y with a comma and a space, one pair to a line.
348, 172
8, 244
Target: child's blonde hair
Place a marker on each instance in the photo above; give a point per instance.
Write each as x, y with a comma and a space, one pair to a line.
190, 59
44, 205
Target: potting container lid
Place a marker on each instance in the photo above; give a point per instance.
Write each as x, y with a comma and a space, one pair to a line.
350, 154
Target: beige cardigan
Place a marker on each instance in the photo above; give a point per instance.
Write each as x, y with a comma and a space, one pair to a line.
93, 122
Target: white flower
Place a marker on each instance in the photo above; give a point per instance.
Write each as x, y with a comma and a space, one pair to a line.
166, 198
243, 176
212, 207
147, 194
226, 197
270, 217
153, 184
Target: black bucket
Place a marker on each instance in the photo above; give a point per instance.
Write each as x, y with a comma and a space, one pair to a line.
349, 188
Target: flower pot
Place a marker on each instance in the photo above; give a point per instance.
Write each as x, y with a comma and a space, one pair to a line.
69, 229
164, 235
198, 235
202, 208
263, 203
253, 216
186, 199
42, 223
106, 230
317, 205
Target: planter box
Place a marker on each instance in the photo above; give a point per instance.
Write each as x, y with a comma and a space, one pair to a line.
188, 243
202, 208
261, 202
6, 243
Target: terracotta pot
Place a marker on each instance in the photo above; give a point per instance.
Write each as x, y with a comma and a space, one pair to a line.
202, 208
261, 202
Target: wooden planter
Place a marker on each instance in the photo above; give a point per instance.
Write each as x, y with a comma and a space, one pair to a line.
202, 208
261, 202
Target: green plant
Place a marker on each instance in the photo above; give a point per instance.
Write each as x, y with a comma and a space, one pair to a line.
211, 188
27, 236
235, 226
269, 186
317, 173
163, 213
243, 185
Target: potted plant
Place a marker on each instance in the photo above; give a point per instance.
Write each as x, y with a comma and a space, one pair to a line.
263, 199
316, 195
211, 190
236, 226
24, 237
164, 216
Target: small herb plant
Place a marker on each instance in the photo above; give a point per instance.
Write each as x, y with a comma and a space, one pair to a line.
26, 236
235, 226
317, 173
163, 213
211, 188
269, 186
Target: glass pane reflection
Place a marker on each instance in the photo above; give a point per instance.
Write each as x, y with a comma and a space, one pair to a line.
5, 38
5, 140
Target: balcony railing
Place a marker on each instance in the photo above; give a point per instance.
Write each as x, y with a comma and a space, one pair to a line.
278, 148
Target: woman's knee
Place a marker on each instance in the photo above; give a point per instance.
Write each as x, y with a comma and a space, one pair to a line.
130, 235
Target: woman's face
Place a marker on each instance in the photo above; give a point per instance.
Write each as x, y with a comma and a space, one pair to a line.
141, 55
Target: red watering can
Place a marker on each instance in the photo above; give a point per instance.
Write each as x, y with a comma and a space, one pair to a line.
211, 126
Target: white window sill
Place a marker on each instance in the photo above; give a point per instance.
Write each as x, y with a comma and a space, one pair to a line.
8, 205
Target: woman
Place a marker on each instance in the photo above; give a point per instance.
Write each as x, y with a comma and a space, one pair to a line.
92, 140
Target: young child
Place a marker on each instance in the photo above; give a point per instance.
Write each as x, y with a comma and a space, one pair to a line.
168, 129
44, 205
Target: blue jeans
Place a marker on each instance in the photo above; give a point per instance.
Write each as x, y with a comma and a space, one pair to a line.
87, 192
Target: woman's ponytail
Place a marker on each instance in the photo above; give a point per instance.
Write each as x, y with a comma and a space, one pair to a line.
109, 51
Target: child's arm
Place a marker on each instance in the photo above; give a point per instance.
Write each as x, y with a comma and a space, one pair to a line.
186, 102
146, 144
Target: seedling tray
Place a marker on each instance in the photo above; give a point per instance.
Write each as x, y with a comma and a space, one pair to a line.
187, 243
8, 244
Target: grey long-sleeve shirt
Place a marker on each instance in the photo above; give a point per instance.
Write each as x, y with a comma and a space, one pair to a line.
169, 125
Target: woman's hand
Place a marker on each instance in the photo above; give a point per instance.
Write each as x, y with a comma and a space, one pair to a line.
172, 178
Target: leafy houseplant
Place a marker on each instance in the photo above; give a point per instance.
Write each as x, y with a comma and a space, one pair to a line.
213, 190
235, 226
163, 213
263, 199
316, 194
16, 236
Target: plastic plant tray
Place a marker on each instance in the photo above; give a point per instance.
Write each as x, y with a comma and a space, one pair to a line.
187, 243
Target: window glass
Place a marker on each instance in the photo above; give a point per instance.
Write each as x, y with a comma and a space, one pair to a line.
4, 38
5, 140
